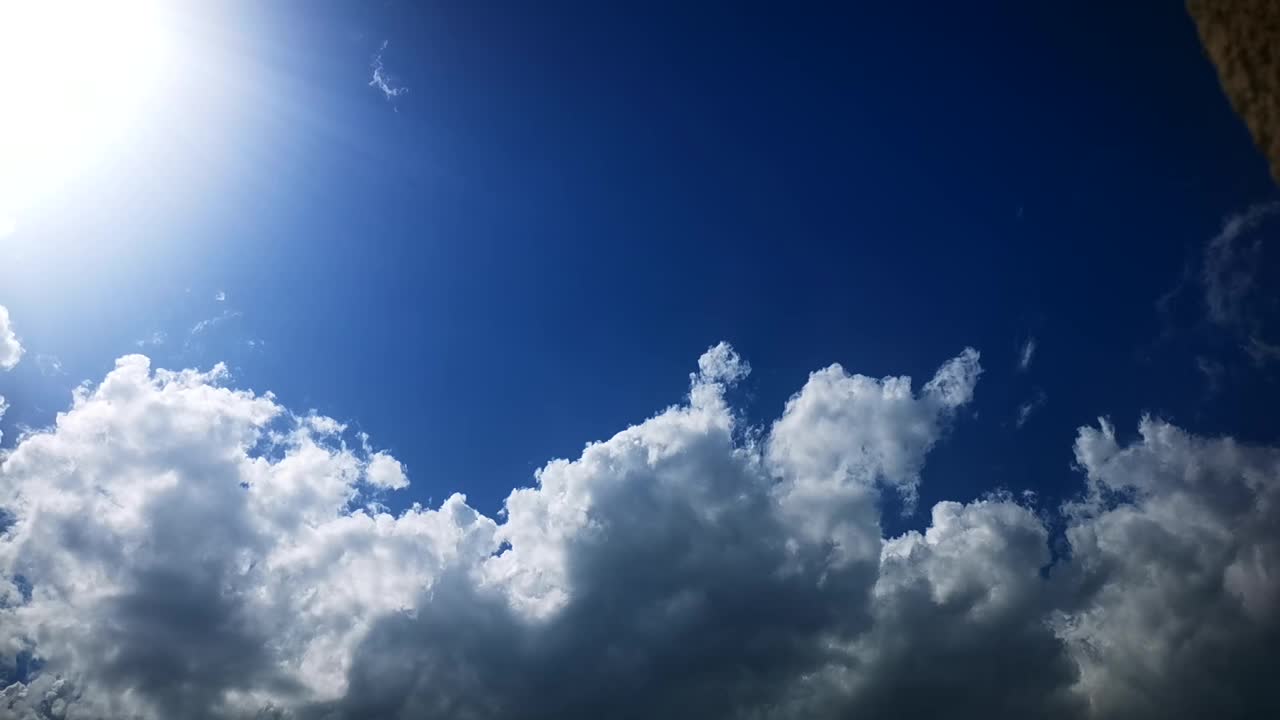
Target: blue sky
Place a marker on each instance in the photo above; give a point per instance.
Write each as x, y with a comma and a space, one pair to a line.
524, 251
530, 246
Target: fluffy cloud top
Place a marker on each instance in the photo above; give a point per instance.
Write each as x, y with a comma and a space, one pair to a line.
386, 472
10, 349
10, 352
1177, 575
178, 548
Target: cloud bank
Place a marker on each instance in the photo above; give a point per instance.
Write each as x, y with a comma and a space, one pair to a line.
175, 547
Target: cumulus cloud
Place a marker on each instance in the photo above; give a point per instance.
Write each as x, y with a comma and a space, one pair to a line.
181, 549
10, 348
178, 548
958, 626
385, 471
10, 353
1176, 572
845, 433
381, 80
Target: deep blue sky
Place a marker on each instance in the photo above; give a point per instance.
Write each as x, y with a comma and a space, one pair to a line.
531, 247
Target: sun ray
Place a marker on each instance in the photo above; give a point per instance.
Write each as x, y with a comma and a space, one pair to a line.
73, 77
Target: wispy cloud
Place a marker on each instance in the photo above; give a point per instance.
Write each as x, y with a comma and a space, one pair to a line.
156, 338
1026, 409
383, 81
1231, 263
50, 365
1027, 352
220, 296
1236, 274
222, 330
1213, 372
208, 324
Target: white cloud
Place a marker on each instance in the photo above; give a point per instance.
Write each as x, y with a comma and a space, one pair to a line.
179, 548
381, 80
1025, 354
220, 296
958, 626
386, 472
842, 435
189, 552
208, 324
10, 353
1177, 572
10, 348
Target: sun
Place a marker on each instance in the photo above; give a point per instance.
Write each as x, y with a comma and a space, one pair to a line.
74, 78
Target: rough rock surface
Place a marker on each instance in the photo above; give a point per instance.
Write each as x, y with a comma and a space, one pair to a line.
1242, 37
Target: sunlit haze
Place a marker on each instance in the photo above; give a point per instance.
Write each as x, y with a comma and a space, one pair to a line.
74, 78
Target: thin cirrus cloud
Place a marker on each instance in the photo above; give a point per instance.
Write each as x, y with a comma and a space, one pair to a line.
50, 365
1235, 280
1224, 288
381, 80
180, 548
1026, 409
1026, 353
157, 337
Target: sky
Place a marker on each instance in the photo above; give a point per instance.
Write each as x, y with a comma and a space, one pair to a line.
592, 360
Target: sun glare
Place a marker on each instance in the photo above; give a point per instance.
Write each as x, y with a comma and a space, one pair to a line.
74, 78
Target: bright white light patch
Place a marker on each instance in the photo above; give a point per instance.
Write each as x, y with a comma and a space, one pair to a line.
73, 77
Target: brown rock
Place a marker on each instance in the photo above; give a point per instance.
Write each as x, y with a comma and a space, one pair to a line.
1242, 37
